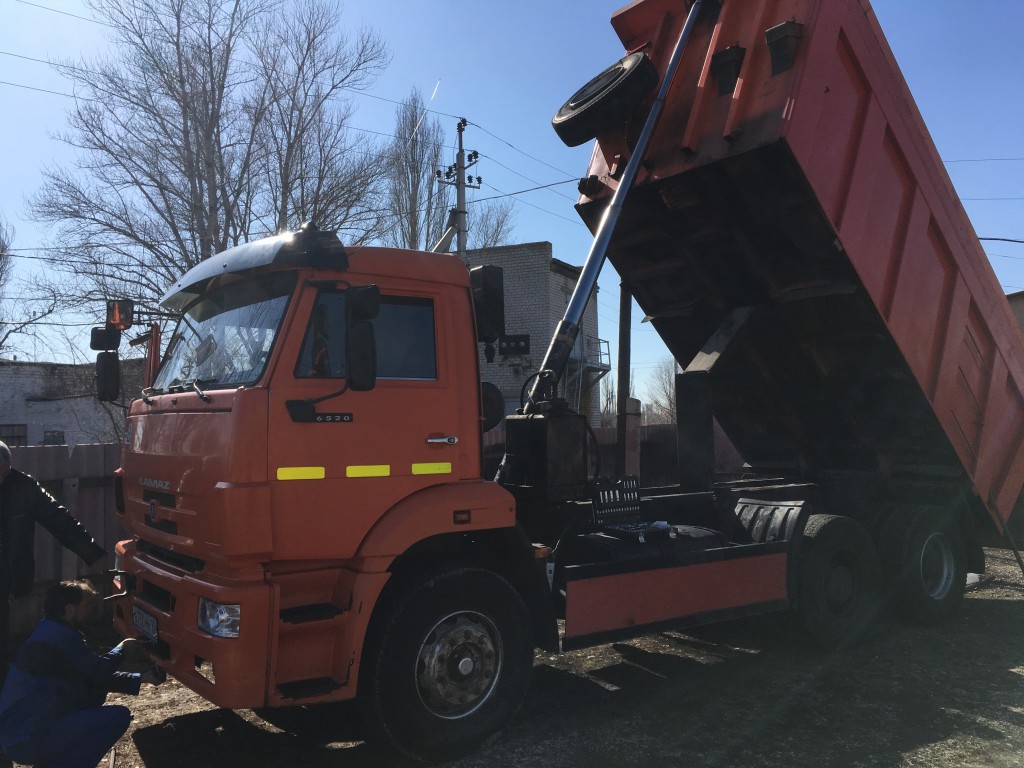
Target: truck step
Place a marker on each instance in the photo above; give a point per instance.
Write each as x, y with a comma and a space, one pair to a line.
300, 614
306, 689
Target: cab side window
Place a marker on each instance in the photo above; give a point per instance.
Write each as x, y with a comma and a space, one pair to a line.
405, 338
323, 349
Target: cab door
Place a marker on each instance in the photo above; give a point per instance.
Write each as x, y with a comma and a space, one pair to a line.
333, 477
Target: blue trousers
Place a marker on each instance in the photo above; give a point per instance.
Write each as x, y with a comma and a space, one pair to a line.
78, 740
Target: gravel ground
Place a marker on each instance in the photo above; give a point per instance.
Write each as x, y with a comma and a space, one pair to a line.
747, 694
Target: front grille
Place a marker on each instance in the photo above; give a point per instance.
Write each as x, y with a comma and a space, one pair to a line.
175, 559
158, 597
167, 526
163, 499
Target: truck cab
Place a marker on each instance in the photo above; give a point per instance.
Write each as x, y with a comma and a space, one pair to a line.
266, 494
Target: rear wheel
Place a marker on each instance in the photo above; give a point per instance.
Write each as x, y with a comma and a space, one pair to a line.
927, 557
838, 581
450, 664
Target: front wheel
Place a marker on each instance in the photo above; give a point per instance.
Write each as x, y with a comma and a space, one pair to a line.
450, 664
838, 580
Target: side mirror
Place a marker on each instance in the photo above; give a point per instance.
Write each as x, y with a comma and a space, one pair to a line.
108, 377
361, 357
120, 314
488, 284
363, 302
104, 339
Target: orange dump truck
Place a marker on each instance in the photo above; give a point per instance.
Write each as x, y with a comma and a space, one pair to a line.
302, 476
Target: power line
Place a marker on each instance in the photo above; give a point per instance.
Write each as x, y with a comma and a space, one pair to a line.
38, 61
63, 13
450, 115
524, 176
986, 160
526, 154
523, 191
45, 90
51, 324
527, 202
398, 103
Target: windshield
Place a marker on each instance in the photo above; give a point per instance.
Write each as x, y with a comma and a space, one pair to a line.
225, 338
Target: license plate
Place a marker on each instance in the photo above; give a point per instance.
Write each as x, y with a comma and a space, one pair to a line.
145, 623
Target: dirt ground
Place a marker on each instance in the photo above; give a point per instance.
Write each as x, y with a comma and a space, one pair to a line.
748, 694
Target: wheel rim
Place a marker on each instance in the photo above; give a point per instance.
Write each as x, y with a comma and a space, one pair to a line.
938, 568
594, 87
459, 664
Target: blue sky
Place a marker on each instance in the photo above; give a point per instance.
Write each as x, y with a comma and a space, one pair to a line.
508, 66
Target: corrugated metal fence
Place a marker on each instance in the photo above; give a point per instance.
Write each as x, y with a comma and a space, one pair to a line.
82, 480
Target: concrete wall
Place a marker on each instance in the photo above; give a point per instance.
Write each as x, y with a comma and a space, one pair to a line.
54, 397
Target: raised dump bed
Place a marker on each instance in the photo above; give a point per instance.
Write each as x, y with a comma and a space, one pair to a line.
791, 173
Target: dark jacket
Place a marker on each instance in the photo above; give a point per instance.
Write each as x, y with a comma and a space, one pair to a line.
54, 674
23, 503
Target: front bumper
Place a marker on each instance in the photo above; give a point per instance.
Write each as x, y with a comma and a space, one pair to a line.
230, 672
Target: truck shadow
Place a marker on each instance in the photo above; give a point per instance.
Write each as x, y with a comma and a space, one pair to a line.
326, 735
748, 693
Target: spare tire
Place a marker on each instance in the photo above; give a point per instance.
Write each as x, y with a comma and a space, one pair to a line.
607, 100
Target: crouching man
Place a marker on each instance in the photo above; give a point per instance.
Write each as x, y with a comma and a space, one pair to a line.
51, 706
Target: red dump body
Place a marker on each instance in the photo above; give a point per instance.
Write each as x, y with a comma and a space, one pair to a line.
882, 350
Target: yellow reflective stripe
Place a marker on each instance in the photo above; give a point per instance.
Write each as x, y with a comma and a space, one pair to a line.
300, 473
437, 468
368, 470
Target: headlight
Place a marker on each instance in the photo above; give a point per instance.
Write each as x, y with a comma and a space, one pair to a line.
219, 619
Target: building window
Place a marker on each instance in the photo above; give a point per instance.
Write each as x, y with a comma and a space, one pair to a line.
53, 437
14, 434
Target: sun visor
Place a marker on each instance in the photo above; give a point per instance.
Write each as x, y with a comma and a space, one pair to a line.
307, 247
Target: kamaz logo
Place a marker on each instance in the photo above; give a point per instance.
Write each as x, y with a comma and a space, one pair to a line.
155, 485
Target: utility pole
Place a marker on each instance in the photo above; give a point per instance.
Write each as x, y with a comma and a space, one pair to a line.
456, 175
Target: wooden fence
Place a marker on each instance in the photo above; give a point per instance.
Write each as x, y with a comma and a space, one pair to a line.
82, 479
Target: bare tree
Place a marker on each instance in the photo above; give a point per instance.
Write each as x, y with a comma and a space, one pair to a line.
491, 223
21, 314
6, 260
608, 402
314, 169
418, 204
610, 399
213, 122
660, 403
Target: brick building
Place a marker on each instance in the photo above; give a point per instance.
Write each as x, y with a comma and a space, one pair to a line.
537, 291
55, 404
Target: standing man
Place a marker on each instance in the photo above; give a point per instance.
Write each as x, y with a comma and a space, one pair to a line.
23, 503
51, 706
